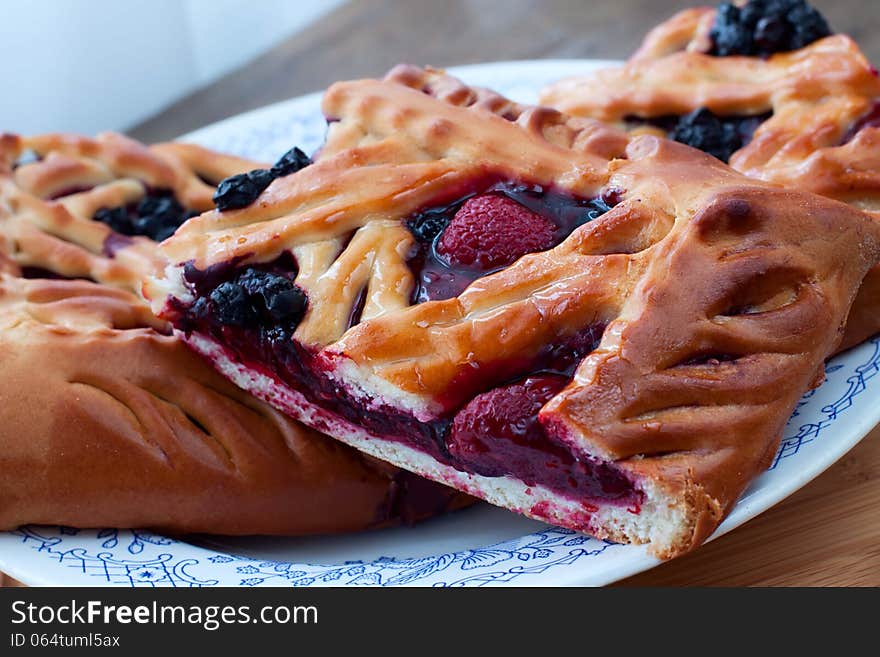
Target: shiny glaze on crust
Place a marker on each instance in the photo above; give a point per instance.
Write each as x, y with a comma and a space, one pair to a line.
532, 454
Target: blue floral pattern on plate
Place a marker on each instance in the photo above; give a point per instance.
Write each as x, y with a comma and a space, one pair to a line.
834, 416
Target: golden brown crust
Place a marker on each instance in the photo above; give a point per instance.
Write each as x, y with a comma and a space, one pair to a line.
409, 157
722, 295
110, 421
816, 95
49, 202
863, 322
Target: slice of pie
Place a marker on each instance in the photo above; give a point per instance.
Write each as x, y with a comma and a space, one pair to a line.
604, 333
765, 86
108, 419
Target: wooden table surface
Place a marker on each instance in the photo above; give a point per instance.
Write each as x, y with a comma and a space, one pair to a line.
828, 533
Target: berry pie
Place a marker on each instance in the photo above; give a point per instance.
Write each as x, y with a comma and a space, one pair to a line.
764, 86
94, 207
109, 420
603, 332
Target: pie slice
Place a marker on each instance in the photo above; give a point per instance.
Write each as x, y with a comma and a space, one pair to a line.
108, 419
765, 86
604, 333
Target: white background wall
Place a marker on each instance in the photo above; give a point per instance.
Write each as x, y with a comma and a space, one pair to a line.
91, 65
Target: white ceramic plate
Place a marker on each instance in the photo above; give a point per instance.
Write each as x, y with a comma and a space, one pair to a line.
483, 546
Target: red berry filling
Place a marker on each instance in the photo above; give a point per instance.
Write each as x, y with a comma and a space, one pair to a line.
487, 229
869, 120
498, 432
492, 231
491, 425
494, 424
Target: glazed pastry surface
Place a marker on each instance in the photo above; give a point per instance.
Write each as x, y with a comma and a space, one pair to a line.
109, 420
663, 339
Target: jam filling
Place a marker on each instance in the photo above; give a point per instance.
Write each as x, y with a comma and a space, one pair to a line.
719, 136
490, 426
869, 120
483, 231
31, 271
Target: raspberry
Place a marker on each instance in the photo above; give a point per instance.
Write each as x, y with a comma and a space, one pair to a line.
493, 421
492, 231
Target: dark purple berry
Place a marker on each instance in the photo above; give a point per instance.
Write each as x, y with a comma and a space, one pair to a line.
704, 130
808, 26
764, 27
426, 226
287, 305
156, 216
241, 190
230, 304
729, 35
770, 34
257, 298
291, 162
116, 218
200, 309
159, 205
275, 297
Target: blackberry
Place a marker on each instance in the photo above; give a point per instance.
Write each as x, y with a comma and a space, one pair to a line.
710, 133
230, 304
426, 226
763, 27
200, 309
808, 25
286, 304
770, 34
158, 216
729, 35
116, 218
240, 190
291, 162
256, 297
275, 297
159, 205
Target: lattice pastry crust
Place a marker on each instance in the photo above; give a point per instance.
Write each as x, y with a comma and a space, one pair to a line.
47, 204
814, 140
816, 95
717, 299
109, 420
